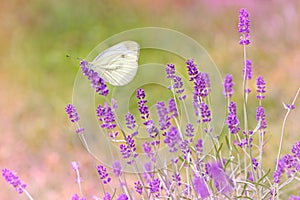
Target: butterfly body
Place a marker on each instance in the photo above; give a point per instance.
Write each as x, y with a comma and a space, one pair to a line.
118, 64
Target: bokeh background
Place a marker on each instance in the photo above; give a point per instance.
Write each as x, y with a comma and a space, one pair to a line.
36, 78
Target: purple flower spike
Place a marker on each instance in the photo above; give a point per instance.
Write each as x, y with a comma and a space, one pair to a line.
261, 87
244, 27
178, 86
192, 69
295, 197
107, 196
106, 116
71, 111
12, 179
122, 197
200, 187
77, 197
138, 187
170, 71
155, 187
117, 169
164, 120
130, 121
228, 86
172, 108
96, 81
205, 112
232, 120
103, 174
172, 139
221, 180
201, 85
261, 117
248, 70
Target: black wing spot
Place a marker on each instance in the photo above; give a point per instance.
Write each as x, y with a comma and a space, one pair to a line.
123, 56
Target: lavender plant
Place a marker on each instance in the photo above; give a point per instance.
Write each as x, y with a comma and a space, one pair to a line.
232, 169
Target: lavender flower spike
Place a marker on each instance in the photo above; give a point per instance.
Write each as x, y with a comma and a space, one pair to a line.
228, 86
12, 178
200, 187
243, 26
261, 88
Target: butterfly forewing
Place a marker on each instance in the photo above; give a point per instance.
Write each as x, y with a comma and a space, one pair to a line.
118, 64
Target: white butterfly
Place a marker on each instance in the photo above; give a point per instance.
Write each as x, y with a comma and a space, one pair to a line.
118, 64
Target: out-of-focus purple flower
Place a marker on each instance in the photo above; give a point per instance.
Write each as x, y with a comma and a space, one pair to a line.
103, 174
155, 187
122, 197
164, 120
232, 121
250, 176
96, 81
75, 165
295, 197
228, 86
178, 87
117, 168
172, 139
192, 69
244, 27
172, 108
200, 187
261, 117
248, 70
261, 88
199, 146
287, 163
289, 106
254, 163
148, 173
189, 131
151, 128
138, 187
107, 196
12, 179
205, 112
77, 197
106, 116
130, 121
245, 142
176, 178
220, 178
185, 149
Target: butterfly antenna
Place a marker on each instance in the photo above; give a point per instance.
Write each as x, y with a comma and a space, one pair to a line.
77, 58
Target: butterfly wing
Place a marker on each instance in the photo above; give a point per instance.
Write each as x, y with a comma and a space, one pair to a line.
118, 64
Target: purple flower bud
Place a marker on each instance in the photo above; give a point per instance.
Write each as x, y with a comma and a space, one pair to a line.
75, 165
12, 179
107, 196
155, 187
